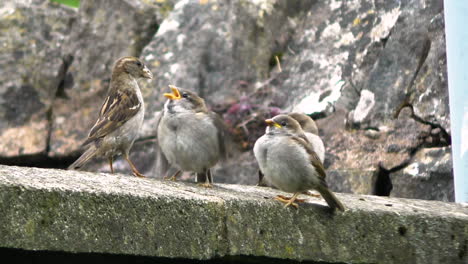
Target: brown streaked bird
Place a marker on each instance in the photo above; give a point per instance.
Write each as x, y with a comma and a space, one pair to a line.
190, 137
289, 163
311, 132
120, 117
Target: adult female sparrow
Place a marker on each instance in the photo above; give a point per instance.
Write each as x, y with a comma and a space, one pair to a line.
121, 115
191, 138
289, 163
311, 132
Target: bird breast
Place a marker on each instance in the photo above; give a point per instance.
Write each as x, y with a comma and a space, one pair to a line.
189, 141
285, 164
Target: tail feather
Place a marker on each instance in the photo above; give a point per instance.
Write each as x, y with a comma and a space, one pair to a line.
330, 198
83, 159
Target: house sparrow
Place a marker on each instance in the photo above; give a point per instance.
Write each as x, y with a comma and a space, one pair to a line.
289, 163
191, 138
120, 117
311, 132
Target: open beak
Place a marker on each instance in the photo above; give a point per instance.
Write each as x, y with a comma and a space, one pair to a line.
147, 73
175, 93
270, 122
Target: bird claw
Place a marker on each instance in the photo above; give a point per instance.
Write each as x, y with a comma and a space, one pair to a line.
205, 185
138, 174
287, 201
172, 178
285, 198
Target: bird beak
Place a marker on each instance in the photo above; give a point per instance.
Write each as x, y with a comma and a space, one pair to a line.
175, 93
147, 73
270, 122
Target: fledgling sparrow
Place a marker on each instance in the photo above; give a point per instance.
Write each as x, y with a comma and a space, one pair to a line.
190, 137
289, 163
120, 117
311, 132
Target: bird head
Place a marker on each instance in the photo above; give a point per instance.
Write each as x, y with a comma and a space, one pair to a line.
283, 125
132, 66
306, 122
182, 100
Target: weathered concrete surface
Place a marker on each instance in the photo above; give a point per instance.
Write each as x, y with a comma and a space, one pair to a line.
73, 211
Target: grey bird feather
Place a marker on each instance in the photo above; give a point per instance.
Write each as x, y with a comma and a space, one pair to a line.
289, 163
190, 137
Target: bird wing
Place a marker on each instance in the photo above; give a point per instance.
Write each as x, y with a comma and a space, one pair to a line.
314, 159
162, 164
221, 128
118, 108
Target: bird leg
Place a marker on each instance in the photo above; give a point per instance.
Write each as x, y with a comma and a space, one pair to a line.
312, 194
110, 164
174, 176
134, 169
289, 201
203, 179
261, 182
209, 176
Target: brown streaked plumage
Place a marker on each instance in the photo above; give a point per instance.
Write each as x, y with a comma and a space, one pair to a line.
311, 132
120, 117
306, 122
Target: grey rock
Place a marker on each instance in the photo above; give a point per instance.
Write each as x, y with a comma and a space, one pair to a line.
429, 177
80, 212
31, 64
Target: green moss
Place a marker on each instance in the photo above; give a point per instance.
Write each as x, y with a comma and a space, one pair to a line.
30, 228
71, 3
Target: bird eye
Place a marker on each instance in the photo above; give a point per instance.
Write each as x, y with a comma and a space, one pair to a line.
283, 123
185, 95
138, 64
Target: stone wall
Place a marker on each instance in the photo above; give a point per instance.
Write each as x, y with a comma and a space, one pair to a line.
83, 212
373, 74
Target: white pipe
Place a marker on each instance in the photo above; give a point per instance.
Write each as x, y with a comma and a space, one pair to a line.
456, 32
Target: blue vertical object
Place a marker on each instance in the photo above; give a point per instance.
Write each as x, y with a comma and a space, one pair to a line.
456, 32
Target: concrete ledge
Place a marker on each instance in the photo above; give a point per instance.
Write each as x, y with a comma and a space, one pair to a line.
71, 211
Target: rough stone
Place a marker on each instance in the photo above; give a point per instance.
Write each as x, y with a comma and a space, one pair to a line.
429, 177
56, 210
31, 64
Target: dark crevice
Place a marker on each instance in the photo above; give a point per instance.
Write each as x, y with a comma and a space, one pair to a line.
385, 39
383, 183
63, 78
402, 230
51, 257
49, 116
41, 160
317, 115
439, 136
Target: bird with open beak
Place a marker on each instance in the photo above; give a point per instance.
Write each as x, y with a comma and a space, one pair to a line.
288, 162
120, 117
190, 137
